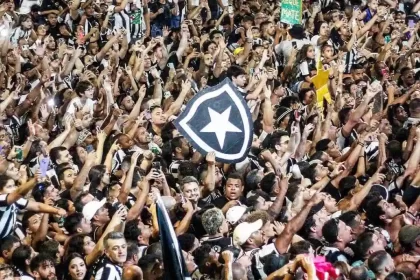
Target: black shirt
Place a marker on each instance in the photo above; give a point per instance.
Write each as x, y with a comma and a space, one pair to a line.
333, 191
218, 244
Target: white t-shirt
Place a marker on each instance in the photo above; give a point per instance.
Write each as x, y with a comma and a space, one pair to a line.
76, 103
285, 47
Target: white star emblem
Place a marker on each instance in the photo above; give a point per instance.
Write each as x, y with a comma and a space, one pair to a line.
220, 124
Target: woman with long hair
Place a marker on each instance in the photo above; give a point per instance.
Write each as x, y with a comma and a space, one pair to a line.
75, 267
99, 178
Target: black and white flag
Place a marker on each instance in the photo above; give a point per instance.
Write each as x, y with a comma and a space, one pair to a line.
173, 260
218, 119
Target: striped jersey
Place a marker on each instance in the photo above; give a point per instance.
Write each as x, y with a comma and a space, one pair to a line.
8, 214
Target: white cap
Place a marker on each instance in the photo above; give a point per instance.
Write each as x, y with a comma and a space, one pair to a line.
90, 209
244, 230
234, 214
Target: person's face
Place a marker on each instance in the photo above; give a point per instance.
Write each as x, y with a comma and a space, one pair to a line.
158, 118
6, 274
218, 176
258, 238
159, 53
320, 218
128, 103
69, 177
271, 30
234, 189
185, 147
208, 60
117, 250
345, 30
102, 215
13, 172
310, 53
93, 48
146, 232
309, 96
64, 157
41, 132
377, 245
330, 204
52, 19
105, 178
240, 80
114, 192
401, 114
125, 142
85, 226
328, 52
324, 30
333, 150
46, 271
360, 228
263, 204
10, 187
385, 127
283, 144
268, 230
373, 4
191, 192
88, 245
212, 48
27, 24
344, 232
9, 253
390, 209
52, 192
89, 92
77, 269
81, 153
408, 78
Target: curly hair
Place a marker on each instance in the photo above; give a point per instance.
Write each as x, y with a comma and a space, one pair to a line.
212, 219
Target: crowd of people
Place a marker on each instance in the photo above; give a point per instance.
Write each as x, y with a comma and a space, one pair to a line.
89, 92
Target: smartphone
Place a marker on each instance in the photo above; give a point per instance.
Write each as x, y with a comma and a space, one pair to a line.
89, 148
156, 165
19, 153
51, 103
411, 23
43, 166
171, 65
251, 71
147, 115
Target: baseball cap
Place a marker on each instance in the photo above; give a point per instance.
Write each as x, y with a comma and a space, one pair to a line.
244, 230
408, 234
90, 209
234, 214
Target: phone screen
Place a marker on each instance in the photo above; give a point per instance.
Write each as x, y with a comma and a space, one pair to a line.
411, 23
43, 166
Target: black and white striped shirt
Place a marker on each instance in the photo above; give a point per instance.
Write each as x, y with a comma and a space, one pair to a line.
122, 20
109, 271
8, 214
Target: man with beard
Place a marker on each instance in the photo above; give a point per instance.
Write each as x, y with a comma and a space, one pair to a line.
181, 151
116, 255
43, 268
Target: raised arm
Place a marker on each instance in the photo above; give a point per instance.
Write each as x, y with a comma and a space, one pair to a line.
283, 241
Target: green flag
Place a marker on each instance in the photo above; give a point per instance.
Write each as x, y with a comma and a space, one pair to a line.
291, 11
